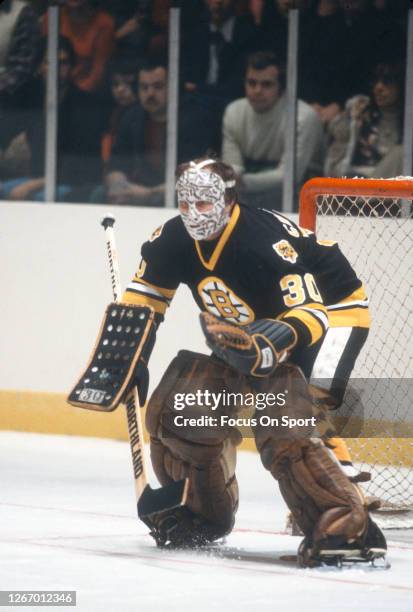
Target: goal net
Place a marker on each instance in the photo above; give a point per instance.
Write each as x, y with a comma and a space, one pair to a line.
372, 222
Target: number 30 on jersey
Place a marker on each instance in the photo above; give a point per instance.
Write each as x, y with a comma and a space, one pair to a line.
296, 289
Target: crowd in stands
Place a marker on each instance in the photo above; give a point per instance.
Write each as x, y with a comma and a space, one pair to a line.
113, 80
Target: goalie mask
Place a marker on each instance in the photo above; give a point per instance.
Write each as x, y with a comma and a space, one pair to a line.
196, 186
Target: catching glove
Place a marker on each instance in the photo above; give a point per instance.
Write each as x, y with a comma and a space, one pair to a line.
254, 349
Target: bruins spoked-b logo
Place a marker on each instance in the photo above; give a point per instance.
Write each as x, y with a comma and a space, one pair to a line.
221, 301
284, 249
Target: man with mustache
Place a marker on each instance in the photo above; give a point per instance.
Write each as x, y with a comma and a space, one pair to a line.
137, 165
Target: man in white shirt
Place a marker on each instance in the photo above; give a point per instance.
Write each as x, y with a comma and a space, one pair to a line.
254, 130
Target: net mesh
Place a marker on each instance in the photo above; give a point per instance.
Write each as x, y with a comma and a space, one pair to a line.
376, 235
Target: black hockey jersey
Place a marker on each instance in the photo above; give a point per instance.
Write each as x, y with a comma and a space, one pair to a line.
262, 265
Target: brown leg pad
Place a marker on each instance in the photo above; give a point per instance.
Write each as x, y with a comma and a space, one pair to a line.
205, 455
320, 496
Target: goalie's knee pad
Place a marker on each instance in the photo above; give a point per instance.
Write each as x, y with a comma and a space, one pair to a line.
205, 454
319, 495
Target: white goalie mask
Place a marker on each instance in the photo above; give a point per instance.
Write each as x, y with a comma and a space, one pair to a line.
196, 186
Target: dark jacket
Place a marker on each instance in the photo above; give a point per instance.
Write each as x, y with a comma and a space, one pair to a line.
231, 57
128, 152
79, 132
21, 56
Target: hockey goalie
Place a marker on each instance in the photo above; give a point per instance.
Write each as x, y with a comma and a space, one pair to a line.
254, 275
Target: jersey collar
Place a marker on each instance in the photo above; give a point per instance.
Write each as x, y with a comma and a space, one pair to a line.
212, 261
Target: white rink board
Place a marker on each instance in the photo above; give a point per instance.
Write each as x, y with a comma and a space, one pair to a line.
56, 285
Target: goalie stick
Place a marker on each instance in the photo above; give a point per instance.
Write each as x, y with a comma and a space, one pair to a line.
150, 501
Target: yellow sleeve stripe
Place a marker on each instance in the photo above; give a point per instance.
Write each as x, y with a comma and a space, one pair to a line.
351, 317
315, 319
352, 311
357, 298
358, 294
168, 293
316, 306
130, 297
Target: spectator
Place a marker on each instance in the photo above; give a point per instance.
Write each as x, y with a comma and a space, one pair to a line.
92, 34
365, 139
213, 55
389, 23
137, 165
133, 28
254, 133
19, 35
322, 49
124, 95
215, 51
256, 11
274, 35
270, 19
392, 9
79, 135
160, 22
373, 38
15, 160
254, 19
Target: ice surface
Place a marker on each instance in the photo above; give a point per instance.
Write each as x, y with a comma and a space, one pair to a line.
67, 521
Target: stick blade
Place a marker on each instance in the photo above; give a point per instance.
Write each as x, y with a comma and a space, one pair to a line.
155, 501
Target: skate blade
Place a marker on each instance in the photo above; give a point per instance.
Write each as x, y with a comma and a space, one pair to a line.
374, 560
339, 552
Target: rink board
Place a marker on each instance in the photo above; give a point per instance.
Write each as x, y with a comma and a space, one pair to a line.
49, 413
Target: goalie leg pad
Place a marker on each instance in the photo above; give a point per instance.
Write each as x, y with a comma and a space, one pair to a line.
205, 455
319, 495
122, 350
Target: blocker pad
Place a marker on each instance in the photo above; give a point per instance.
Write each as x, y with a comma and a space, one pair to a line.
124, 332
